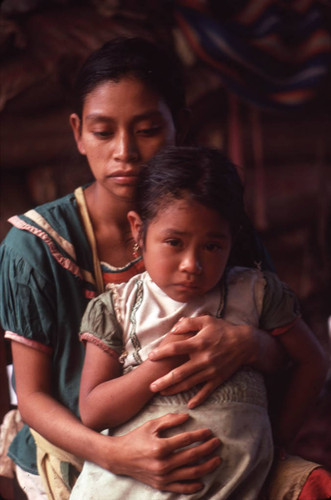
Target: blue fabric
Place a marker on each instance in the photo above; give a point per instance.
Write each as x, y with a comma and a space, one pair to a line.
275, 54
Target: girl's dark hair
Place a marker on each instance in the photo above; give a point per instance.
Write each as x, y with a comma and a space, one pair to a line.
204, 174
136, 57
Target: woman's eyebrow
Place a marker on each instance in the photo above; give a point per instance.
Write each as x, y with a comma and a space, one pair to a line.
148, 114
97, 117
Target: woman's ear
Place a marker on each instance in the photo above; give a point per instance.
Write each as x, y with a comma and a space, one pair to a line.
136, 226
183, 122
77, 131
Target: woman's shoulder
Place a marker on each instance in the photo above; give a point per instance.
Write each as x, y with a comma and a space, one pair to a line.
53, 227
57, 219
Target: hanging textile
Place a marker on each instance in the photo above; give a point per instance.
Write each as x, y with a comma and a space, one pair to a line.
275, 54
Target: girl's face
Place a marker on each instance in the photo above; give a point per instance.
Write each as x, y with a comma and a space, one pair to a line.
123, 125
186, 248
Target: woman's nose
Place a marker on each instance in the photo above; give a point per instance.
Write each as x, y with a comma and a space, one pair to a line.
125, 148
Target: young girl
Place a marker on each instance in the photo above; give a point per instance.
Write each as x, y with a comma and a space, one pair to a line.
189, 212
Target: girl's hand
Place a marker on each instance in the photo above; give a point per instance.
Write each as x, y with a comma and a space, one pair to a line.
160, 462
216, 351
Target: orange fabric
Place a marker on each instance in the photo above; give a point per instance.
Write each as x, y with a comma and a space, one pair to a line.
317, 486
125, 275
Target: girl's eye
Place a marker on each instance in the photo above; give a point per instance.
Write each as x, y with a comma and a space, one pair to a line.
213, 247
173, 242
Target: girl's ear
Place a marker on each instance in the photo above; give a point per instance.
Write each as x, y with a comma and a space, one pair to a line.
136, 226
77, 131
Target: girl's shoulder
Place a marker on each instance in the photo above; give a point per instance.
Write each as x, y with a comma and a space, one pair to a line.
273, 302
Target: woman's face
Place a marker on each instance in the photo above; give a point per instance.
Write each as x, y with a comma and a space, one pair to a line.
123, 125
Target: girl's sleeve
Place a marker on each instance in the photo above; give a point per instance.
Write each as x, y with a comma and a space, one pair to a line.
100, 326
280, 305
26, 312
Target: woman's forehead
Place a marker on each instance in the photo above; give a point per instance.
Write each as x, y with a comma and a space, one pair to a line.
128, 94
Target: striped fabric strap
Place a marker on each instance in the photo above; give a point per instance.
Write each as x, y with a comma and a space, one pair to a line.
81, 203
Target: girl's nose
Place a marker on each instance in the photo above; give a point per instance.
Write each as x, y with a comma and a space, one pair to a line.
125, 148
191, 263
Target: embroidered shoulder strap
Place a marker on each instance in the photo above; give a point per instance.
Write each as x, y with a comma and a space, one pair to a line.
81, 203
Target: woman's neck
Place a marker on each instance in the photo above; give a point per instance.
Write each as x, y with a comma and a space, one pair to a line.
110, 225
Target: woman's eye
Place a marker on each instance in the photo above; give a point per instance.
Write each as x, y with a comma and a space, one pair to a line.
102, 134
149, 131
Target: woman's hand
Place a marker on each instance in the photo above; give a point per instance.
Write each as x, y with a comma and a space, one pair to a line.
142, 454
216, 352
161, 462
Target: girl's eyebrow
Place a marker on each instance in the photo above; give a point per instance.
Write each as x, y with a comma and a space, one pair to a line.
211, 234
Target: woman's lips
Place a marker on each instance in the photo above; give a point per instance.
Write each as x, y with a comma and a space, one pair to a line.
124, 178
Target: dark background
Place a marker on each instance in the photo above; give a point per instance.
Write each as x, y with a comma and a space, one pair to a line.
284, 155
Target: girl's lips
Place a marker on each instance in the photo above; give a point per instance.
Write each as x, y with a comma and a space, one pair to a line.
188, 286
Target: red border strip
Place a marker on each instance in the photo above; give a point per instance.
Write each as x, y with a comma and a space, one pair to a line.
89, 337
63, 261
28, 342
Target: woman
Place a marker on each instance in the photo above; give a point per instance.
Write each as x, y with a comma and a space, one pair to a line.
58, 256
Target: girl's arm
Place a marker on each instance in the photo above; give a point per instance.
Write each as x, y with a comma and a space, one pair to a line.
307, 378
216, 352
142, 454
107, 398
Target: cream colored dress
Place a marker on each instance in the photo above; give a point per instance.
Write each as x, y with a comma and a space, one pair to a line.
237, 410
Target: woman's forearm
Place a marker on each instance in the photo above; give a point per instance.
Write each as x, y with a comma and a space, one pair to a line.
264, 352
62, 428
142, 453
307, 376
305, 385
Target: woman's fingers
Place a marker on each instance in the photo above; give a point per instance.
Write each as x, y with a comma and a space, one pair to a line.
186, 325
186, 479
174, 443
194, 455
184, 377
215, 352
172, 349
206, 390
177, 463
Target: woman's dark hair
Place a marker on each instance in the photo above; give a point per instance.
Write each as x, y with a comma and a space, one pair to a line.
136, 57
204, 174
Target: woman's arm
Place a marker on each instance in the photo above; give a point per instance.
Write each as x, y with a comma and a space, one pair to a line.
107, 398
142, 454
216, 352
307, 378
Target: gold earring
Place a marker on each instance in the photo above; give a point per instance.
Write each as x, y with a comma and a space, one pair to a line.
135, 251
